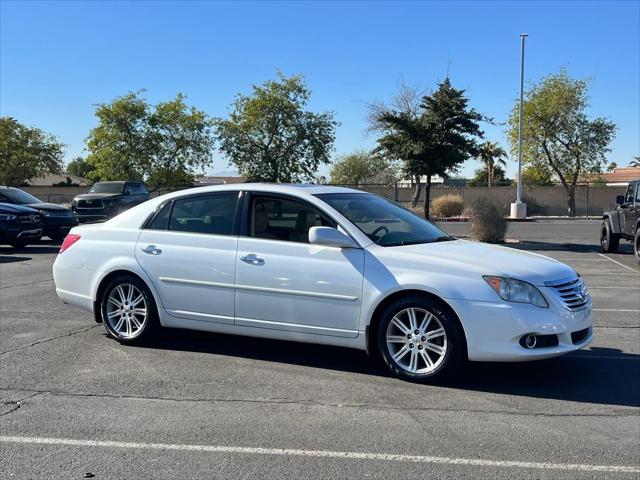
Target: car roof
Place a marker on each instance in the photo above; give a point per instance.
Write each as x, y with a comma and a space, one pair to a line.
296, 189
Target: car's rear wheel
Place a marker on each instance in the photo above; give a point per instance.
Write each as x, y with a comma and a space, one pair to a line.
421, 341
608, 240
636, 244
129, 311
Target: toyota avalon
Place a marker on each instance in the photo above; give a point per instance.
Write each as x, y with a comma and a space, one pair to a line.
325, 265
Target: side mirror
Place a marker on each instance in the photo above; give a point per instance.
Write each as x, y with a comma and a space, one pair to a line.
620, 199
330, 237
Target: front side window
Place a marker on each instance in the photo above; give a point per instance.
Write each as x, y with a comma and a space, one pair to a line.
283, 219
637, 192
210, 214
384, 222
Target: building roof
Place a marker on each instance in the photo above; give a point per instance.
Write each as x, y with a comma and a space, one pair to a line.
53, 178
620, 176
219, 180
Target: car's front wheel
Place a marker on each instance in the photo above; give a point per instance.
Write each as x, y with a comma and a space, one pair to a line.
128, 309
636, 244
608, 240
420, 340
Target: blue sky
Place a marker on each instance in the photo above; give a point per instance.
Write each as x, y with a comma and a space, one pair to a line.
58, 59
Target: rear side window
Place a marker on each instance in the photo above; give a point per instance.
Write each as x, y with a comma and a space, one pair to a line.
212, 214
161, 219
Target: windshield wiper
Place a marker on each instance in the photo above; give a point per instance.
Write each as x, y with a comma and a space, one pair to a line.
416, 242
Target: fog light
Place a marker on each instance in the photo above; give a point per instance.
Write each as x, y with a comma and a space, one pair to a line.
530, 341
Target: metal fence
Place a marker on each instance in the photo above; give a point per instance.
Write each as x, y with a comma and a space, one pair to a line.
591, 200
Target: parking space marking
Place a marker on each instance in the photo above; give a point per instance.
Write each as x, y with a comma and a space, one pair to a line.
614, 310
617, 262
322, 454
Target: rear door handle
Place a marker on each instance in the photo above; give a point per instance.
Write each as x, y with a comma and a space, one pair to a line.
252, 259
151, 250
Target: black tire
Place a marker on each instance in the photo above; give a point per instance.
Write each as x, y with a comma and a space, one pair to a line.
150, 325
636, 244
609, 241
18, 245
455, 355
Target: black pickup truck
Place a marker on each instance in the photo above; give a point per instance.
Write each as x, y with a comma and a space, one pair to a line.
623, 222
107, 199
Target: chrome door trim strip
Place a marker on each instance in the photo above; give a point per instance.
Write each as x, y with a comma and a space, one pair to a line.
309, 329
301, 293
282, 291
201, 283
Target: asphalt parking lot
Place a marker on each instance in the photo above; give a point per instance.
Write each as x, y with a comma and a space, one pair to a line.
198, 405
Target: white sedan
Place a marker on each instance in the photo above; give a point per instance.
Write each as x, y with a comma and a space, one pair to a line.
325, 265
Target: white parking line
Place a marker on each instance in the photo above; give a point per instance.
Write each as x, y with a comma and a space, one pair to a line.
323, 454
617, 263
614, 310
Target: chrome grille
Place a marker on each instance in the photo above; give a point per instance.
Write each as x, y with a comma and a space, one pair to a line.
573, 294
97, 204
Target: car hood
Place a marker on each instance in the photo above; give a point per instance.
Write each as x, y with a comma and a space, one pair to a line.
461, 256
11, 208
48, 207
96, 196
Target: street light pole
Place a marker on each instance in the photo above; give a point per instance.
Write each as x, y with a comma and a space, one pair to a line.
519, 209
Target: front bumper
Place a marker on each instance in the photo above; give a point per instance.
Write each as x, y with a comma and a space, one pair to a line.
494, 329
58, 226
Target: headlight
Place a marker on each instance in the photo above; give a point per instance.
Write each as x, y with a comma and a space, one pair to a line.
44, 213
7, 217
518, 291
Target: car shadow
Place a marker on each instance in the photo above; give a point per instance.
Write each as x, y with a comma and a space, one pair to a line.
35, 249
12, 259
598, 375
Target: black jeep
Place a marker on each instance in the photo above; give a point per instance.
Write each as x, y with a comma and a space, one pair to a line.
623, 222
107, 199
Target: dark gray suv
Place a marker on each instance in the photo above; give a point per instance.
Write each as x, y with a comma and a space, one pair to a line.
623, 222
107, 199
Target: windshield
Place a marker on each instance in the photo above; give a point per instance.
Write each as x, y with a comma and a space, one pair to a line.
107, 188
20, 197
384, 222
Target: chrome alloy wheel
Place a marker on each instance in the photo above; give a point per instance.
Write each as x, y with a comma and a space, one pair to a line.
126, 310
416, 340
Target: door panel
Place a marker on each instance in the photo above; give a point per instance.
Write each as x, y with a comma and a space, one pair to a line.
189, 251
194, 273
298, 287
284, 283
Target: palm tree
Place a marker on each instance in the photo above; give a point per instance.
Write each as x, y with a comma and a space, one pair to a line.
635, 162
491, 154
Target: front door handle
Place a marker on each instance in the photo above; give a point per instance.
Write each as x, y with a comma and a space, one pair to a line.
152, 250
252, 259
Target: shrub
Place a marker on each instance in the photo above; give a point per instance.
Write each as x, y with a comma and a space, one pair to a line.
449, 205
487, 223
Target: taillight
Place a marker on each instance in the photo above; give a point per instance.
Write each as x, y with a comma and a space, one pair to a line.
68, 241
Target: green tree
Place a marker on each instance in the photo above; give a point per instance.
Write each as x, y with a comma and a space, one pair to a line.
481, 177
635, 162
181, 143
163, 144
363, 167
557, 133
26, 152
79, 167
431, 138
537, 175
119, 146
492, 155
612, 166
271, 137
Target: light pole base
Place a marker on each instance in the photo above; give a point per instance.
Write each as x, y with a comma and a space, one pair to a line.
519, 210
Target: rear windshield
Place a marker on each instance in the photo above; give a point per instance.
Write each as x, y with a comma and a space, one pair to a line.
107, 188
